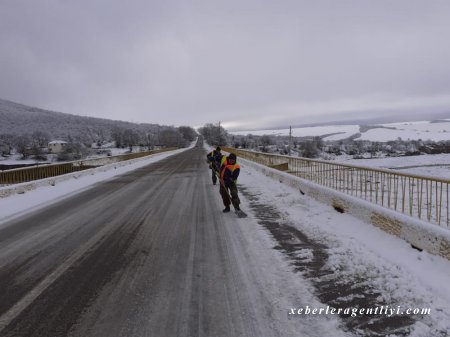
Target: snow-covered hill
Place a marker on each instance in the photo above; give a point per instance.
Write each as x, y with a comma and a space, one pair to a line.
19, 119
424, 130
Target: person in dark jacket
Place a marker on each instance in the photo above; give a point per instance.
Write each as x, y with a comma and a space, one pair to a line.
214, 159
229, 172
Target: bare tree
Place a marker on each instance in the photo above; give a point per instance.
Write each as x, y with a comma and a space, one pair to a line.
188, 133
213, 134
117, 136
72, 151
309, 149
7, 140
172, 138
22, 145
130, 138
266, 141
40, 139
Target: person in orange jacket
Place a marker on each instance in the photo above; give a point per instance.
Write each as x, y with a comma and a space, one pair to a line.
229, 172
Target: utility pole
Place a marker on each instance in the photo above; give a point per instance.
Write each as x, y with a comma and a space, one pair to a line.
290, 139
220, 136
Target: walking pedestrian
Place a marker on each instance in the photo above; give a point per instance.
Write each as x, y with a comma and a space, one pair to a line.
229, 172
214, 159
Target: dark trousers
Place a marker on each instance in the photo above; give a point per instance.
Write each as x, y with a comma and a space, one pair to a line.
214, 176
233, 191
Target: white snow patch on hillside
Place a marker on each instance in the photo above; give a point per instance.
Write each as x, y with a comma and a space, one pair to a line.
435, 165
424, 130
344, 131
409, 131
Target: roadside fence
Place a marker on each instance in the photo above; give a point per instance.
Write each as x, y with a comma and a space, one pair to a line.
423, 197
21, 175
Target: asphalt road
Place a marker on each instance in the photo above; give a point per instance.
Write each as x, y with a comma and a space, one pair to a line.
146, 254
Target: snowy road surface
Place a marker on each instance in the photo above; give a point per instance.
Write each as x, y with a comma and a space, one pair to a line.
147, 254
150, 253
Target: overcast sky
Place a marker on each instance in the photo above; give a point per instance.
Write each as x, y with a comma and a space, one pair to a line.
249, 64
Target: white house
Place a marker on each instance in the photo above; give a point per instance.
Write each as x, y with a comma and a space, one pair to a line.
56, 146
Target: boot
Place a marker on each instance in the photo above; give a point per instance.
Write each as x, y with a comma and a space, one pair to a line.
226, 209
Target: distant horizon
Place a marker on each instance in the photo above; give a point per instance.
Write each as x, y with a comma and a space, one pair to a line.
346, 121
368, 121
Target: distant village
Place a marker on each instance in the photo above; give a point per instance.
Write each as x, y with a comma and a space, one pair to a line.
317, 147
358, 149
33, 134
40, 146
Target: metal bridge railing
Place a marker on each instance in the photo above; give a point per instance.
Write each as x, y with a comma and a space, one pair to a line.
423, 197
21, 175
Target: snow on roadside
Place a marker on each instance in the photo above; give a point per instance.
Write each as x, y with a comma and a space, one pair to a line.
20, 204
401, 274
270, 284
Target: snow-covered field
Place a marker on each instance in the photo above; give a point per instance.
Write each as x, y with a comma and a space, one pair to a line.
424, 130
344, 131
15, 159
409, 131
435, 165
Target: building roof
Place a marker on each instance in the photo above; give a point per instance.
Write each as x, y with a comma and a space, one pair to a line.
57, 142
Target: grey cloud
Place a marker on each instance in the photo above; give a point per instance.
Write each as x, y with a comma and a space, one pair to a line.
253, 62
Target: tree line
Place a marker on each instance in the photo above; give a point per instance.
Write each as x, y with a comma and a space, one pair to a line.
34, 144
